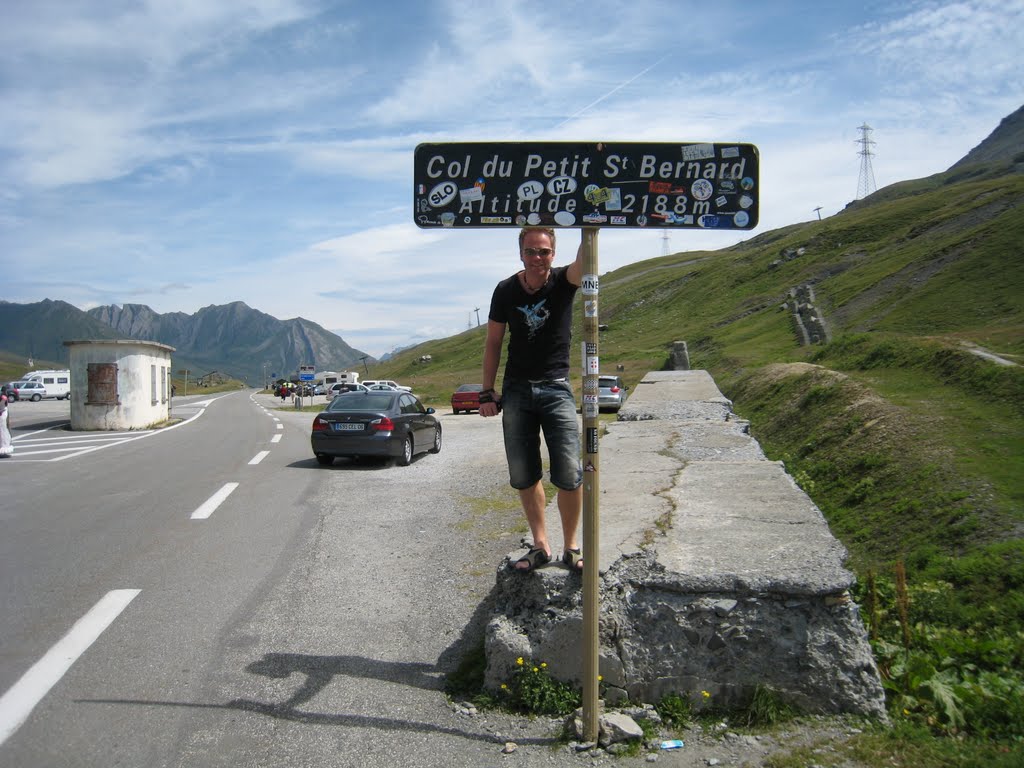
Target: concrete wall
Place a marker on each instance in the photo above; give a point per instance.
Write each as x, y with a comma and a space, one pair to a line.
120, 384
718, 573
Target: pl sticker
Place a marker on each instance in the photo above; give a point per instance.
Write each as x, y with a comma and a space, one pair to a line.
530, 190
590, 308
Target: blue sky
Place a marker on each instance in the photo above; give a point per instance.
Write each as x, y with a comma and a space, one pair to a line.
187, 153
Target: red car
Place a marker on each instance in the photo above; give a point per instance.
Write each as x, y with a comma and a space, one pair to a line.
11, 390
466, 398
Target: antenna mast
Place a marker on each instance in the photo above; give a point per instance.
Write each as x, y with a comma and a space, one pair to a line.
866, 180
664, 243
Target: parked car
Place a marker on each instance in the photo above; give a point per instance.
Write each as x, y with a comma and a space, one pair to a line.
387, 382
466, 398
31, 390
611, 393
10, 389
341, 386
319, 389
375, 423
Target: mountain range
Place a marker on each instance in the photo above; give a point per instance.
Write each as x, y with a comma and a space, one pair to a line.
234, 338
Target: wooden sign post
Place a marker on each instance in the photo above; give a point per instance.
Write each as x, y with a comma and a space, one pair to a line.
591, 489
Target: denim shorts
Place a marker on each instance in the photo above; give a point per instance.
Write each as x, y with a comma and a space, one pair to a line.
527, 409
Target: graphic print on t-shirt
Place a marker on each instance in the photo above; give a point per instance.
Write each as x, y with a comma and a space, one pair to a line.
535, 316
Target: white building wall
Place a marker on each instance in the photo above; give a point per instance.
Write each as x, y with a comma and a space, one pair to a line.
119, 384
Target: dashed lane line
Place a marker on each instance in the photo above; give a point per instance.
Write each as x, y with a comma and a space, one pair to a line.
258, 457
207, 507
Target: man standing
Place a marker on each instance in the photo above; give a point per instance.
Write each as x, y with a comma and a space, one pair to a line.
535, 304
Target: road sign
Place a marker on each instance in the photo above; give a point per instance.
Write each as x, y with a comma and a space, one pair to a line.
580, 184
306, 372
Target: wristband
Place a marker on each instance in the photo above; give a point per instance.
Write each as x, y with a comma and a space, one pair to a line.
487, 396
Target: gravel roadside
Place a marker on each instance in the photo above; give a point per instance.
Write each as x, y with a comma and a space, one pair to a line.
341, 663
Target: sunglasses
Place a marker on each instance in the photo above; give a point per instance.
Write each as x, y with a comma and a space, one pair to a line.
545, 252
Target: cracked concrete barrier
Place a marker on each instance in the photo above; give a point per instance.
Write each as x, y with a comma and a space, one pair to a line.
719, 575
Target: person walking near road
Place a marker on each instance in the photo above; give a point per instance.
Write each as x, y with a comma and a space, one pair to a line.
535, 306
6, 443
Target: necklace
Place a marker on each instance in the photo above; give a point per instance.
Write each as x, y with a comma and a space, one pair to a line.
529, 288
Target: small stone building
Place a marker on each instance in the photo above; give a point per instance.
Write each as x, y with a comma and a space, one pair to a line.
119, 384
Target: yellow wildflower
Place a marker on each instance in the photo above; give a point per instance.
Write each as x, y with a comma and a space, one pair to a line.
519, 661
705, 694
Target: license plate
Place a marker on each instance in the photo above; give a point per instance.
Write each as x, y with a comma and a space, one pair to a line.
347, 427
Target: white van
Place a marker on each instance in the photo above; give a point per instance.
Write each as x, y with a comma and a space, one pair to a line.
57, 383
330, 378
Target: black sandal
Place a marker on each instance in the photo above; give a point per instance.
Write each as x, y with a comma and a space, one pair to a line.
573, 559
534, 559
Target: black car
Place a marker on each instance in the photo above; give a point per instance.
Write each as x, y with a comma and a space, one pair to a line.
380, 423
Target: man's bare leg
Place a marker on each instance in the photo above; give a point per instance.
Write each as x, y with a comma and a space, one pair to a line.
570, 508
534, 501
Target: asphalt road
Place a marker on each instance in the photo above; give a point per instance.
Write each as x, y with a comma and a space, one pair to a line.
207, 595
305, 620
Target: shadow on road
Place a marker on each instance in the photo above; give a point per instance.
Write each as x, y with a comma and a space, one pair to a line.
320, 671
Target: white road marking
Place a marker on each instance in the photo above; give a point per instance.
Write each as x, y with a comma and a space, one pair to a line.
259, 457
22, 697
275, 439
207, 507
279, 425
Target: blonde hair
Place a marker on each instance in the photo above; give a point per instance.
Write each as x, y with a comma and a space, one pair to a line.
543, 230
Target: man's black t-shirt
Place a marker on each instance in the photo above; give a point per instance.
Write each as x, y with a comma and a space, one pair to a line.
540, 326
